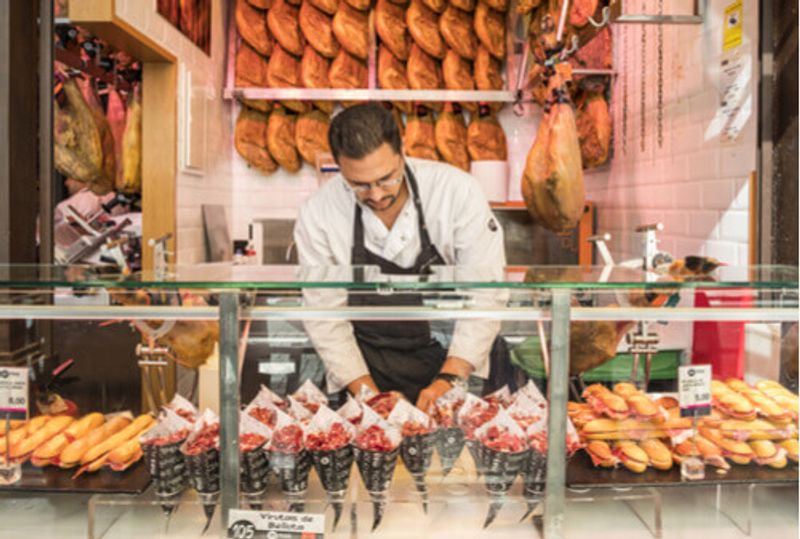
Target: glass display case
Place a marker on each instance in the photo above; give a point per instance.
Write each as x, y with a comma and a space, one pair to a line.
574, 398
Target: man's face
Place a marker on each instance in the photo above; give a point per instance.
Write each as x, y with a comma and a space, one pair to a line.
376, 179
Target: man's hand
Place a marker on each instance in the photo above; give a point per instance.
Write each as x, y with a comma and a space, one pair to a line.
452, 365
355, 386
427, 397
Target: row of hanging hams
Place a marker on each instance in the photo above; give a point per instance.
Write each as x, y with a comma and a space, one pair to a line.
283, 138
423, 45
302, 44
100, 148
433, 44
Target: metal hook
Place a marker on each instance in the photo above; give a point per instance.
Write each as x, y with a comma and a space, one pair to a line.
518, 107
571, 49
606, 17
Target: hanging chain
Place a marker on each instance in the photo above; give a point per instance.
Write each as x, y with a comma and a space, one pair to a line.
643, 92
623, 69
660, 91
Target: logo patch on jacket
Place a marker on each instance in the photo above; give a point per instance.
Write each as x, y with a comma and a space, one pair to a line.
492, 224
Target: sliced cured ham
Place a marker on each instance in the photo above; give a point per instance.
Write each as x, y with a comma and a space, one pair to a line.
456, 29
390, 24
552, 183
311, 135
280, 139
351, 28
282, 20
252, 26
451, 137
490, 27
250, 140
420, 135
486, 140
317, 28
423, 25
423, 71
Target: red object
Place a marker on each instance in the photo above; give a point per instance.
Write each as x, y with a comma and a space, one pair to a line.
477, 417
172, 438
413, 428
374, 439
383, 403
206, 440
721, 344
289, 439
265, 415
332, 440
250, 441
500, 439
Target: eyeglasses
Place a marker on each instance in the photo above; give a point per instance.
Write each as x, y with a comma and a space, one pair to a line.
364, 188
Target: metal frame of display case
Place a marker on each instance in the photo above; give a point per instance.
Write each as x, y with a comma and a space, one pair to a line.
232, 310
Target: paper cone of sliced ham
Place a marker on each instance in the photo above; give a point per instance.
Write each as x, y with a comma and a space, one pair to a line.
419, 439
201, 453
474, 413
263, 407
161, 446
351, 410
310, 396
289, 460
376, 447
503, 451
383, 403
253, 462
183, 408
328, 441
450, 438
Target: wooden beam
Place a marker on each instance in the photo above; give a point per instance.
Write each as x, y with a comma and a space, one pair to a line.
159, 159
99, 17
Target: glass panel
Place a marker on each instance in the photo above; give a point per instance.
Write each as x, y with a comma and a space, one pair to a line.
277, 277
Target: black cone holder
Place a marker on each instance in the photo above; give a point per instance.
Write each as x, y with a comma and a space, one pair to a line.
474, 450
292, 471
417, 454
204, 477
333, 469
499, 470
376, 469
254, 476
534, 474
168, 472
449, 444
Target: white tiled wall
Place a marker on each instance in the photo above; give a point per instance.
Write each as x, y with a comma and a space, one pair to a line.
695, 183
213, 185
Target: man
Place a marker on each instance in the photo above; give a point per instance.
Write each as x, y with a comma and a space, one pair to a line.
403, 215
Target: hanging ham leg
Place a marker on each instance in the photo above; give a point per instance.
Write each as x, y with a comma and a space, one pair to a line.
552, 183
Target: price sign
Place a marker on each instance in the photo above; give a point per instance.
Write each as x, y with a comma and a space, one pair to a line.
694, 390
275, 525
14, 392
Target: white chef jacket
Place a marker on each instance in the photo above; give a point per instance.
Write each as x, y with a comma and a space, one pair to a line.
461, 226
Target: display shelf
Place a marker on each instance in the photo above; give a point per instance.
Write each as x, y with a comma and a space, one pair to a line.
134, 480
581, 473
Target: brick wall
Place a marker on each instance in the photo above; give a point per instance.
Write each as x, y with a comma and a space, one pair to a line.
694, 182
213, 185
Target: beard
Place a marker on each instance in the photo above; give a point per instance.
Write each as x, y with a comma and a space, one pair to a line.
383, 204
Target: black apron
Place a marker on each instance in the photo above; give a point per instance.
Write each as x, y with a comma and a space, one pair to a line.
401, 356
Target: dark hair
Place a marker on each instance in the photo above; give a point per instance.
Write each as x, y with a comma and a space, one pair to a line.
360, 130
